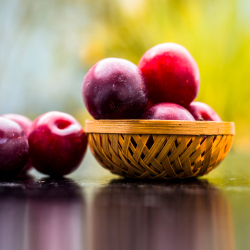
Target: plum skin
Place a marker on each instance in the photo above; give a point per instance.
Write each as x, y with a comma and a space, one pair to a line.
25, 123
115, 89
171, 74
14, 148
167, 111
57, 143
202, 111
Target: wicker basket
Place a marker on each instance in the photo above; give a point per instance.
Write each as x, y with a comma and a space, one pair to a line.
154, 149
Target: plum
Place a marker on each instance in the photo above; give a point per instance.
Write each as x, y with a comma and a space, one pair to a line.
201, 111
167, 111
14, 148
57, 143
115, 89
25, 124
171, 74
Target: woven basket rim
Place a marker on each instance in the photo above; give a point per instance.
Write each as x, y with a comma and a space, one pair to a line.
159, 127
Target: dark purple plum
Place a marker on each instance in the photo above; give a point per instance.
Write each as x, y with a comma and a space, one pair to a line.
25, 123
14, 148
201, 111
115, 89
57, 143
167, 111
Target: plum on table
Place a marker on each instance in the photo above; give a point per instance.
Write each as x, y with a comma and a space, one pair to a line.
14, 148
25, 124
57, 143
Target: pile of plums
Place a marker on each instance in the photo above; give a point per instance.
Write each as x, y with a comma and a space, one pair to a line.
162, 87
54, 144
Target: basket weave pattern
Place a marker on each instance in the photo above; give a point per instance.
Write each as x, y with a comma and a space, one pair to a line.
159, 156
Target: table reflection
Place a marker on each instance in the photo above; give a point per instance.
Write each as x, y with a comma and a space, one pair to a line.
13, 215
170, 215
42, 214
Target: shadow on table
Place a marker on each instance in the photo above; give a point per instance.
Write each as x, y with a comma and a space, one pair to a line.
41, 214
188, 214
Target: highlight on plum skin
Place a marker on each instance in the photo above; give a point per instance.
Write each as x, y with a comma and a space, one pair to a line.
14, 148
25, 123
57, 143
203, 112
115, 89
167, 111
171, 74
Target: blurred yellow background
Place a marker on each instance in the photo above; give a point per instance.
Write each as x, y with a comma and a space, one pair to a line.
46, 48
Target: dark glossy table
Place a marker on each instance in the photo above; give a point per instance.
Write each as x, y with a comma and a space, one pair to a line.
101, 213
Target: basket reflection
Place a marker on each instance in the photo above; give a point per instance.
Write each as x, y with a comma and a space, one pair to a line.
173, 215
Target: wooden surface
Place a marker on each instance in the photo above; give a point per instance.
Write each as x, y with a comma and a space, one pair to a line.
113, 214
159, 127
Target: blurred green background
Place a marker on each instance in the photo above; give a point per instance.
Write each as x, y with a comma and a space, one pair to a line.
46, 48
